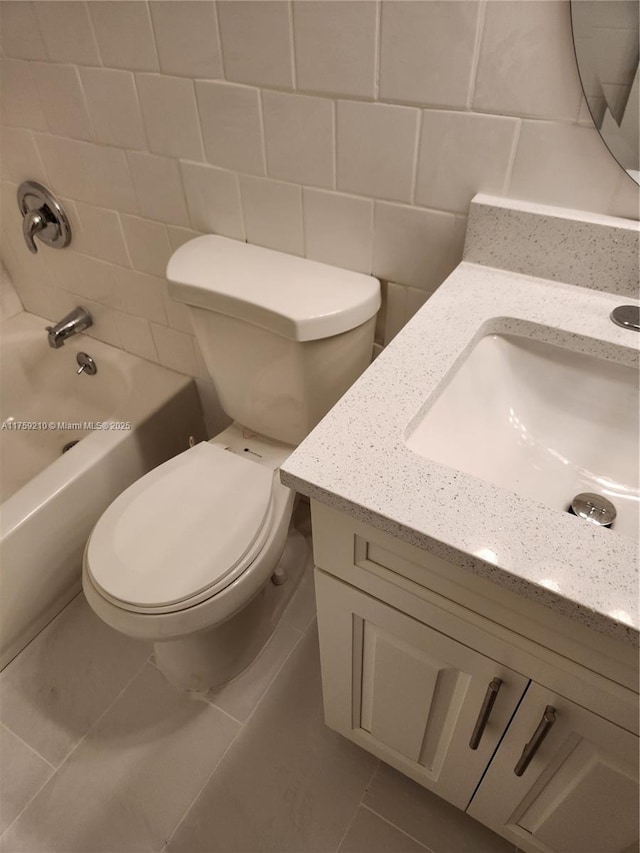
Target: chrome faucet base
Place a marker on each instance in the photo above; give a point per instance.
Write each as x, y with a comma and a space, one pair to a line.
75, 321
627, 316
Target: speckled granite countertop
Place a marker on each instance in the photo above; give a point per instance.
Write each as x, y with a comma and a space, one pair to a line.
356, 459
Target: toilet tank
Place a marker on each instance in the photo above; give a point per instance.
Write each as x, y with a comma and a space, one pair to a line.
283, 337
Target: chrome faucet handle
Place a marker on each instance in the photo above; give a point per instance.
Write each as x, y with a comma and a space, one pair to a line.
33, 223
43, 216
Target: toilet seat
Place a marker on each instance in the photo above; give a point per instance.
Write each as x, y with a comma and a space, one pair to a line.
183, 532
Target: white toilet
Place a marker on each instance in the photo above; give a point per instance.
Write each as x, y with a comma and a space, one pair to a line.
199, 555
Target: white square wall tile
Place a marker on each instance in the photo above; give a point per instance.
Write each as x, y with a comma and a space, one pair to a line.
462, 154
20, 35
231, 126
125, 35
527, 65
158, 187
19, 99
178, 315
147, 243
426, 51
20, 159
395, 311
100, 235
335, 46
272, 214
63, 161
143, 295
563, 164
108, 178
187, 37
175, 349
93, 279
170, 115
299, 138
256, 42
376, 149
213, 198
338, 229
62, 100
113, 104
415, 247
67, 31
136, 337
179, 236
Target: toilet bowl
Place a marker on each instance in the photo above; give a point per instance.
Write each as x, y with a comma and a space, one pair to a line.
200, 555
191, 545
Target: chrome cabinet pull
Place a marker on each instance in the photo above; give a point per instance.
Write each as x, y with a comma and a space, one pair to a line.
530, 749
485, 712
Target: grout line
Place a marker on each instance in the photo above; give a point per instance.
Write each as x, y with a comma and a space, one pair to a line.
28, 745
334, 117
294, 72
512, 159
475, 59
377, 51
77, 744
280, 668
416, 156
263, 135
216, 13
27, 804
206, 782
360, 803
399, 829
156, 52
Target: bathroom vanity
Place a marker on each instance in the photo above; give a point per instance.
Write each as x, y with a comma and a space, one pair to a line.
474, 634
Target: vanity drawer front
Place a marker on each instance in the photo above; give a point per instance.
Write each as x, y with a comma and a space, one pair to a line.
409, 694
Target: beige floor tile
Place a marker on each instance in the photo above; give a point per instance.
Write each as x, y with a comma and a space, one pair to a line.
371, 834
22, 774
288, 783
54, 691
128, 784
433, 822
240, 696
301, 610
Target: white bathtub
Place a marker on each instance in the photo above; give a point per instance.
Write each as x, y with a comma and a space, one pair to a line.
51, 501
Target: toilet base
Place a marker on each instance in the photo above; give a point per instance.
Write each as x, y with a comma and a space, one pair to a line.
210, 658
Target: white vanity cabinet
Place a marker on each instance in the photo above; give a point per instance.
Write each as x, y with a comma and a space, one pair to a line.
407, 693
580, 792
411, 648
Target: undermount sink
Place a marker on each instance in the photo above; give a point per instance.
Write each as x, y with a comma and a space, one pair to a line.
540, 420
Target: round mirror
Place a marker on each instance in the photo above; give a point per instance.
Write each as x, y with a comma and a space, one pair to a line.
605, 37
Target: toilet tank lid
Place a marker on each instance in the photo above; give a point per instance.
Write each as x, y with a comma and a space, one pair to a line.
294, 297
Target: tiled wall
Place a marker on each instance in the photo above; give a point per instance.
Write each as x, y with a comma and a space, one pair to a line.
350, 132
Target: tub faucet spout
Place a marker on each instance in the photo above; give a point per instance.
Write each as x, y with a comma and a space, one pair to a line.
76, 321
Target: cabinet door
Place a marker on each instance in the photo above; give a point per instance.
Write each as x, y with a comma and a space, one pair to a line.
580, 792
407, 693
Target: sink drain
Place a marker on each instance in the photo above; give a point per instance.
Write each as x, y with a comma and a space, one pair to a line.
69, 445
593, 508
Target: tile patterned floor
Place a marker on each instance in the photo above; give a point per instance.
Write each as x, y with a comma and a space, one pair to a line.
99, 753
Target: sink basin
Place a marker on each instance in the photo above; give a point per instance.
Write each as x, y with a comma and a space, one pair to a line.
541, 421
